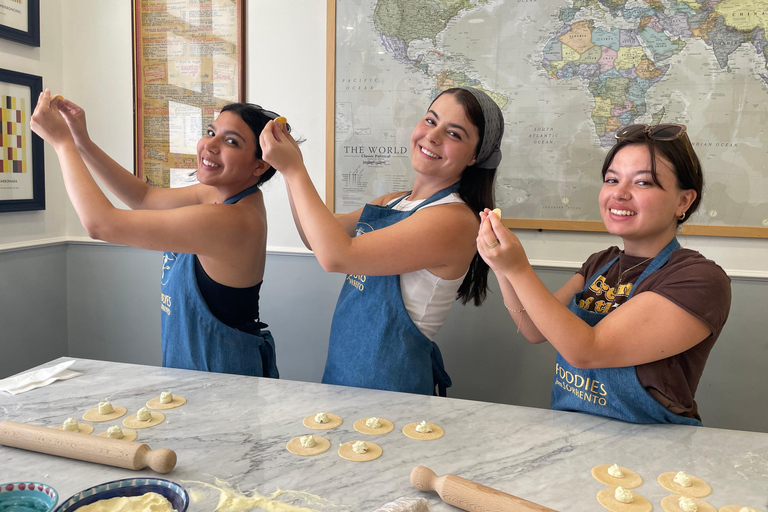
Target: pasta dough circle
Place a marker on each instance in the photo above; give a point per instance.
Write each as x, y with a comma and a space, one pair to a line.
322, 445
157, 405
670, 503
334, 421
133, 422
94, 416
128, 435
631, 479
698, 489
346, 452
385, 428
410, 431
607, 499
736, 508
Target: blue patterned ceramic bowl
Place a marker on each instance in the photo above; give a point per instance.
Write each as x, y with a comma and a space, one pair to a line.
27, 497
172, 491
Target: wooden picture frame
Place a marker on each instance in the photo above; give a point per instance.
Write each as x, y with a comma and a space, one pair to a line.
333, 135
189, 61
22, 163
21, 21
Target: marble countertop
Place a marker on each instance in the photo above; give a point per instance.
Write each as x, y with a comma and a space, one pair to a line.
230, 437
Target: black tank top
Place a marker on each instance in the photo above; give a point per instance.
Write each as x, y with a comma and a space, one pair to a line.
236, 307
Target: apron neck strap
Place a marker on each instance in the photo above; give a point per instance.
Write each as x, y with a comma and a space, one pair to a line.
250, 190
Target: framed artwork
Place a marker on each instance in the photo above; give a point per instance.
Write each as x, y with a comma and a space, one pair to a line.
567, 79
189, 61
20, 21
22, 166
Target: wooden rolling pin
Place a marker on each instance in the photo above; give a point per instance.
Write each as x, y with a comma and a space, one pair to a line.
111, 452
471, 496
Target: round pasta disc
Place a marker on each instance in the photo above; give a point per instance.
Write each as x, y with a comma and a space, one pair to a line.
346, 452
410, 431
385, 428
93, 414
84, 428
155, 403
671, 504
333, 422
133, 422
607, 500
322, 445
736, 508
630, 480
128, 435
698, 489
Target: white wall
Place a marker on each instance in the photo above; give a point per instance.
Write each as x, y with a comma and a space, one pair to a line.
26, 228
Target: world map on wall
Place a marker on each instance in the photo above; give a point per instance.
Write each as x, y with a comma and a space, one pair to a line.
567, 75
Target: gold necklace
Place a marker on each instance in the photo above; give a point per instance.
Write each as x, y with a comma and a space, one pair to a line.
621, 274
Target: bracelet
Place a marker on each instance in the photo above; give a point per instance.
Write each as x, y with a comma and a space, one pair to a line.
513, 310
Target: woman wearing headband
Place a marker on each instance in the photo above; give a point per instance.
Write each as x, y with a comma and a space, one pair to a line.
408, 255
632, 328
213, 233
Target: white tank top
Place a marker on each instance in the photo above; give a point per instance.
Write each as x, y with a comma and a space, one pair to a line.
427, 297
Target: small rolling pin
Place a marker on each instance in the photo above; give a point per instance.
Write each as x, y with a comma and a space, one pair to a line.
102, 450
471, 496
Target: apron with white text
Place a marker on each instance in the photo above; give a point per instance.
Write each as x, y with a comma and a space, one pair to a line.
193, 338
612, 392
374, 342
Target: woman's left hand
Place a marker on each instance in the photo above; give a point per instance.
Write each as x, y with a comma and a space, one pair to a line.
279, 149
48, 122
498, 246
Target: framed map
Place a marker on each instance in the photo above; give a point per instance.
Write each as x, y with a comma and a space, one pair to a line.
567, 75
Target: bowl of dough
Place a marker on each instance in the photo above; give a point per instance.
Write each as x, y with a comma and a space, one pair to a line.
145, 493
24, 496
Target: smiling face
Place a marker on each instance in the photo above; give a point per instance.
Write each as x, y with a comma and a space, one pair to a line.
226, 154
444, 143
635, 208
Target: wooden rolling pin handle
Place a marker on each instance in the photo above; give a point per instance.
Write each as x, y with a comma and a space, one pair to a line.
471, 496
110, 452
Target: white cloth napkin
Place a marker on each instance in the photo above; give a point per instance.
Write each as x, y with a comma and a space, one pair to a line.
38, 378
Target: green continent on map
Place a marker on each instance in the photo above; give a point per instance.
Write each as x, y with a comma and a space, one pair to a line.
409, 20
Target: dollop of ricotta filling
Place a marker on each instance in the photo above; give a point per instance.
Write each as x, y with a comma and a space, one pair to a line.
624, 496
424, 427
615, 471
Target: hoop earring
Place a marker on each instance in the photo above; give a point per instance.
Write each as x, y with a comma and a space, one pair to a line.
682, 217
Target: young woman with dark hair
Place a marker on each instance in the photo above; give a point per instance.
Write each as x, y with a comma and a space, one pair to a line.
633, 328
213, 233
408, 255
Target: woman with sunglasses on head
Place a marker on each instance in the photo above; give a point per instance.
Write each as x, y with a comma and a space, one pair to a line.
633, 328
213, 233
408, 255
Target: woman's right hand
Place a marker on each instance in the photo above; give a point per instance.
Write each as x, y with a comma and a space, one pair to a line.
74, 115
279, 149
498, 246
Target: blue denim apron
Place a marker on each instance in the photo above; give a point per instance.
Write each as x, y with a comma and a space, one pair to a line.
374, 342
194, 339
612, 392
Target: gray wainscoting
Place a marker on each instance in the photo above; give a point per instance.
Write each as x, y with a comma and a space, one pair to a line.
101, 302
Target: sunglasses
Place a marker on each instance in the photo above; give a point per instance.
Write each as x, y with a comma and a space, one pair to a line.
663, 132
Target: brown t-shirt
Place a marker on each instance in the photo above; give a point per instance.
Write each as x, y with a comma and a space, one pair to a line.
689, 280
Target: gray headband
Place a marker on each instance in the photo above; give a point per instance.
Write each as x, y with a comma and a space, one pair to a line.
489, 154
